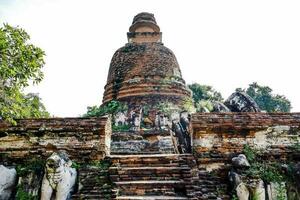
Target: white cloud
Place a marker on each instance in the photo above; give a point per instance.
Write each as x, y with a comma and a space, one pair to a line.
226, 44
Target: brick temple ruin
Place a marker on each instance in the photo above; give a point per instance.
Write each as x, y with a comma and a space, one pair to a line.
156, 147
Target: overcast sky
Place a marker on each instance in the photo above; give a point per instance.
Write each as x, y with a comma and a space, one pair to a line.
226, 44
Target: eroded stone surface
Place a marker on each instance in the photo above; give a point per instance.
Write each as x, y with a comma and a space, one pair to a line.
8, 178
146, 142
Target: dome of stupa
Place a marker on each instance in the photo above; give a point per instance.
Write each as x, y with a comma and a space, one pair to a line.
144, 70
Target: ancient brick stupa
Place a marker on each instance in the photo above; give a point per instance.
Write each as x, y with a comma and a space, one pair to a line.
144, 76
144, 71
152, 152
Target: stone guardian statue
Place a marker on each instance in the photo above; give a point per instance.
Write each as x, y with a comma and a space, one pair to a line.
59, 178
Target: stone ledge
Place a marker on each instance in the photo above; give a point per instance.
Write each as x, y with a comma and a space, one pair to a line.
240, 121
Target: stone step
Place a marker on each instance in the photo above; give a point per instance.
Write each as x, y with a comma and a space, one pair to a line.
164, 175
142, 156
158, 188
128, 152
148, 173
151, 198
151, 160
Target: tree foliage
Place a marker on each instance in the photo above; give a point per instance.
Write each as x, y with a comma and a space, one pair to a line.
203, 95
111, 107
266, 100
204, 92
20, 65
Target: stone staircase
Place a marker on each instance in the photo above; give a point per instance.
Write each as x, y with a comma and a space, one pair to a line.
154, 176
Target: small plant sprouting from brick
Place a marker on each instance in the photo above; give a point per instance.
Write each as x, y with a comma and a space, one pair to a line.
76, 165
121, 128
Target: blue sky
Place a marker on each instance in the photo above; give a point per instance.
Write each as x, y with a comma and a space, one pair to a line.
226, 44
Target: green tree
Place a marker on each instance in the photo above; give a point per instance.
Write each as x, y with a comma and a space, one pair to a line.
203, 96
111, 107
20, 66
204, 92
266, 100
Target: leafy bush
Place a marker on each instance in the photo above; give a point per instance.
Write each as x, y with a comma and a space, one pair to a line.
111, 107
23, 195
166, 108
249, 153
76, 165
267, 171
188, 105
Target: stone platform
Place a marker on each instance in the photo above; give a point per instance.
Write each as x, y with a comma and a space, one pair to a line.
142, 142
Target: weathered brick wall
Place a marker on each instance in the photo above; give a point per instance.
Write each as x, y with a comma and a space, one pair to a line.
217, 137
84, 139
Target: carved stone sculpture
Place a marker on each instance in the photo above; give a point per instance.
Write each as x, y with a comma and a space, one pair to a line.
219, 107
179, 135
185, 120
161, 121
120, 119
257, 189
297, 174
235, 178
274, 189
8, 179
147, 122
240, 161
59, 178
243, 187
135, 120
293, 189
241, 102
242, 191
181, 129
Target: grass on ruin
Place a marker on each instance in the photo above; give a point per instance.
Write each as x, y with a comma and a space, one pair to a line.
102, 164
